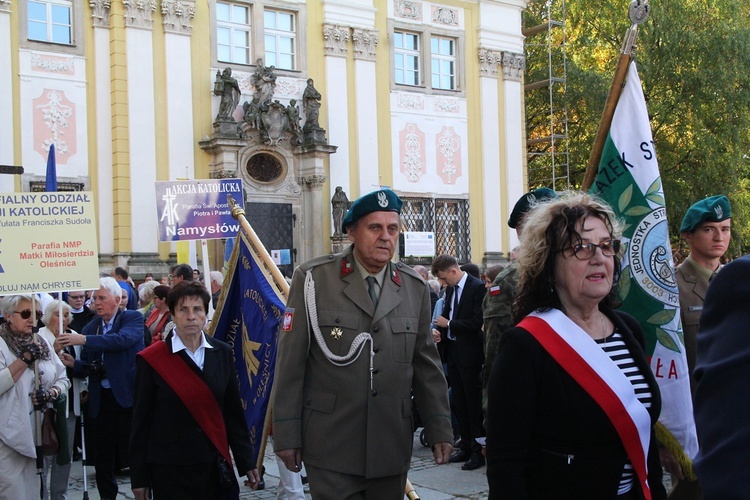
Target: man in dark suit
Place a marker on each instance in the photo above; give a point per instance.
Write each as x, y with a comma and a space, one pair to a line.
171, 453
110, 343
460, 328
722, 376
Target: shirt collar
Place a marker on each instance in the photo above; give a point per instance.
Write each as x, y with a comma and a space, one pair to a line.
379, 277
178, 346
462, 281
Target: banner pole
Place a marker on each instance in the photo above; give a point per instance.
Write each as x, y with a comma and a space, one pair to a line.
638, 13
239, 213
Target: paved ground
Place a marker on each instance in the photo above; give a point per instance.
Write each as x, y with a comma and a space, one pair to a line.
432, 482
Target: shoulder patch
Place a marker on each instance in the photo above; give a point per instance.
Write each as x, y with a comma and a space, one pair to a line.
288, 319
494, 290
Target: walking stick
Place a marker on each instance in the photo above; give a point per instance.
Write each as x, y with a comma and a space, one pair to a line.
411, 493
83, 458
38, 408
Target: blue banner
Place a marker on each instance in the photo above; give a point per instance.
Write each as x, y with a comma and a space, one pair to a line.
247, 318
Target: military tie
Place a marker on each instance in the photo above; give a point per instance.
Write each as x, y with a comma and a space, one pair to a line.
372, 289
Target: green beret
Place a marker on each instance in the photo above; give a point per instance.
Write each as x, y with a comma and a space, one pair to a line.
525, 203
712, 209
383, 200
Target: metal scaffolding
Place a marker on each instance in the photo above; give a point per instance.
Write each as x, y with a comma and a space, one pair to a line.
547, 112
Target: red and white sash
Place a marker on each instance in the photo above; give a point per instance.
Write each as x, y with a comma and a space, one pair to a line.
599, 376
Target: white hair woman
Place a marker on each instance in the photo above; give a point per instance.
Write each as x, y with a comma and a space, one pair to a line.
66, 420
19, 393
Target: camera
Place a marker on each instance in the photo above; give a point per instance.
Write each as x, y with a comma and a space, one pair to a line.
96, 370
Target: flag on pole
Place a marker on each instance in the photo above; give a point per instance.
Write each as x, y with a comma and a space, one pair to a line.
50, 182
628, 179
247, 318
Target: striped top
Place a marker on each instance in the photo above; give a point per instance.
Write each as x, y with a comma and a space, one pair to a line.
614, 346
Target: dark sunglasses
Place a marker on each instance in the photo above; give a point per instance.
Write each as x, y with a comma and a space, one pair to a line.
26, 314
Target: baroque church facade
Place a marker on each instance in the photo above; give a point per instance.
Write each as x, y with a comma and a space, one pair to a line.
425, 97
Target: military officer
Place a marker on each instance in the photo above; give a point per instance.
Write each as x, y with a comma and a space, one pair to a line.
707, 228
498, 302
355, 344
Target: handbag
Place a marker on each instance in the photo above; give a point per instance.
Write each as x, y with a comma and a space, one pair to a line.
50, 443
226, 474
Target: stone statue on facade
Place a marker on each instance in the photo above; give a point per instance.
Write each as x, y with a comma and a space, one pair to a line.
311, 101
227, 87
340, 204
264, 81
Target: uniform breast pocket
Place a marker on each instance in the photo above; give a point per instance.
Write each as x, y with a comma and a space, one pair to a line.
339, 328
404, 334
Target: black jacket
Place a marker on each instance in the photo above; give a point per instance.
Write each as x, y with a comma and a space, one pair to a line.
164, 431
538, 415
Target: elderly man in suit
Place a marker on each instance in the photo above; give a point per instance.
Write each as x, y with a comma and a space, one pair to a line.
355, 345
707, 229
460, 330
110, 342
172, 447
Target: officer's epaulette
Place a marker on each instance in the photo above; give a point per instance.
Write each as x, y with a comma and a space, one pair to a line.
408, 270
317, 261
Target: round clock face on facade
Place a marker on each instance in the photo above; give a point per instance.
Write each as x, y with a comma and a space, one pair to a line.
264, 168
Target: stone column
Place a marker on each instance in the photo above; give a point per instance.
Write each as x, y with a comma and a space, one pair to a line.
491, 173
141, 127
513, 66
336, 39
312, 220
7, 137
106, 108
176, 19
365, 81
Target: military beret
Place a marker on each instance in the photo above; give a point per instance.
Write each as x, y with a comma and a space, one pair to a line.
383, 200
526, 201
712, 209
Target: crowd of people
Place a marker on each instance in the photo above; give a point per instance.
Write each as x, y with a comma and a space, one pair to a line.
528, 369
84, 356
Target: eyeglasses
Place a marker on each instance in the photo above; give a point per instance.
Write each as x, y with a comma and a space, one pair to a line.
26, 314
584, 251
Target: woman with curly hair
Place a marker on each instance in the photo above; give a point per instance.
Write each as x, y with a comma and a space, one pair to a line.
572, 400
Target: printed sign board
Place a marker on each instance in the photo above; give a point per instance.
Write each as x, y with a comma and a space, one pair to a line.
197, 209
48, 242
419, 244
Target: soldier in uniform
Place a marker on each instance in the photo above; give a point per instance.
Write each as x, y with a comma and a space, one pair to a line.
498, 302
355, 344
707, 228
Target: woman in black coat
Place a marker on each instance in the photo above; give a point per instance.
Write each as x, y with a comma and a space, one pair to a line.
572, 401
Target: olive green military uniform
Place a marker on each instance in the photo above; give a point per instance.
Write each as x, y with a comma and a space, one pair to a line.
498, 317
343, 418
692, 282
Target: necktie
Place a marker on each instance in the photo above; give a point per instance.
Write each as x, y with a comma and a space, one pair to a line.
372, 289
454, 305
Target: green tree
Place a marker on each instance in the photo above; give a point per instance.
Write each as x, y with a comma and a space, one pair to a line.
693, 58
